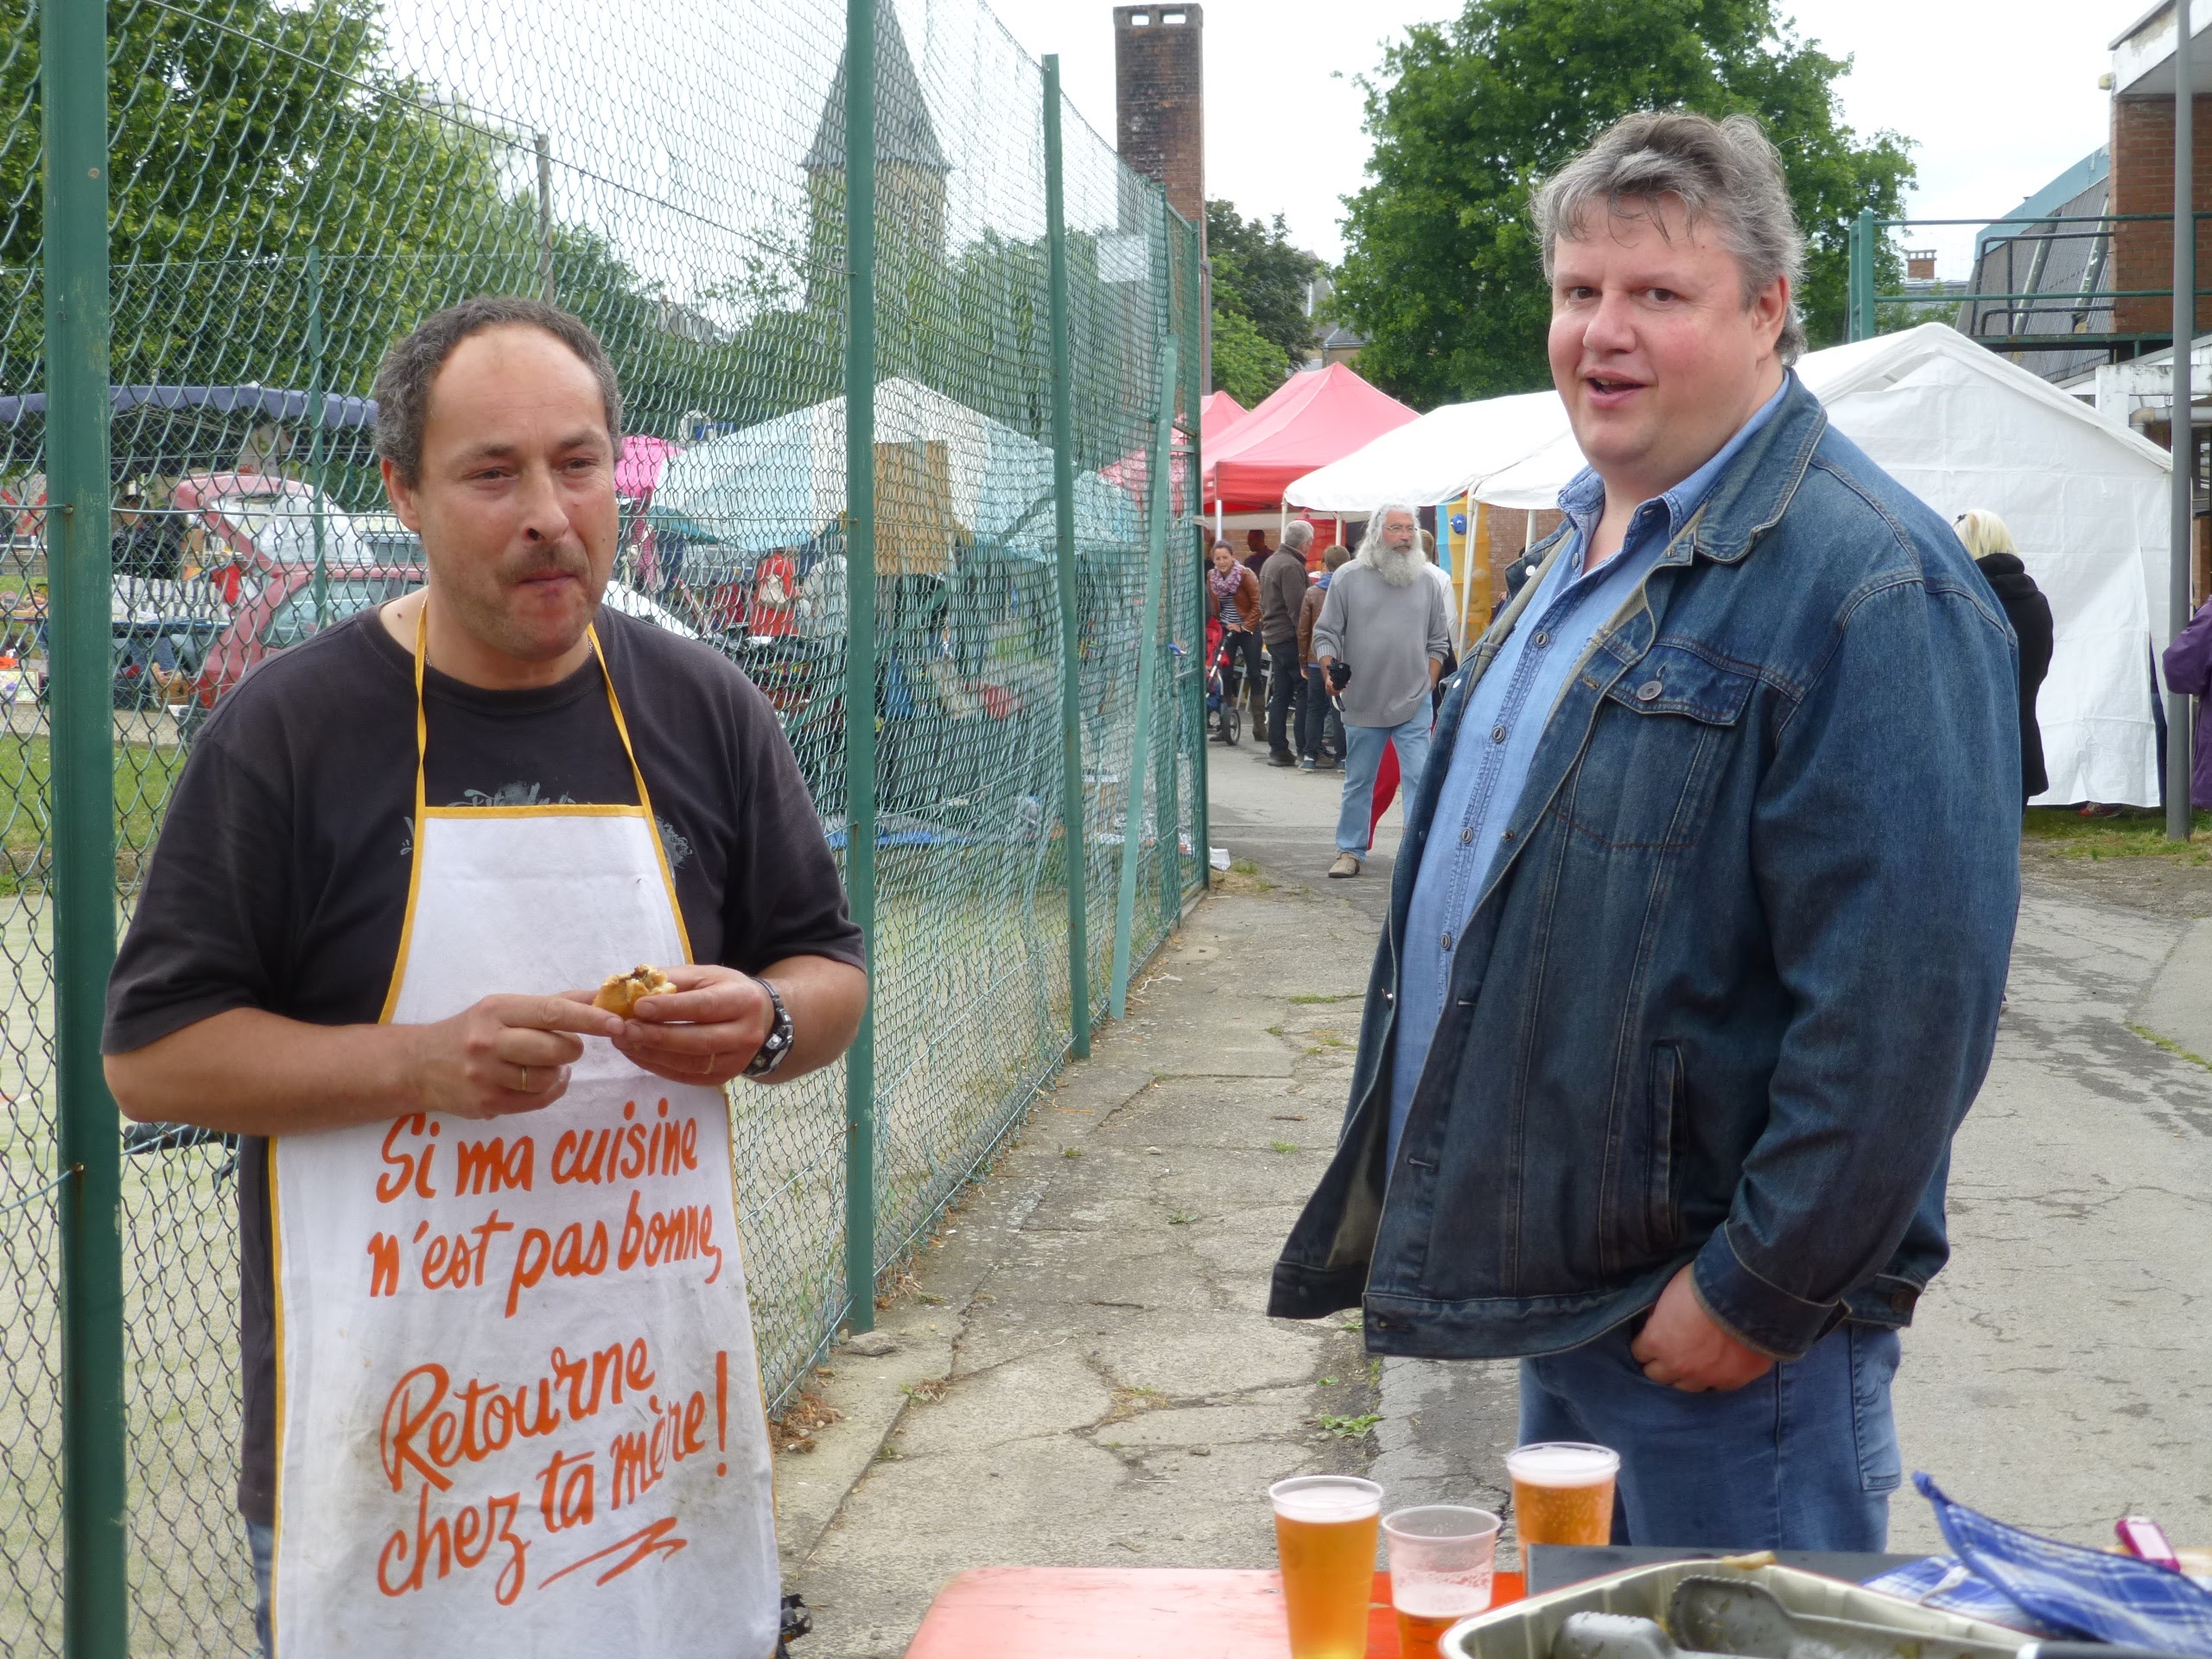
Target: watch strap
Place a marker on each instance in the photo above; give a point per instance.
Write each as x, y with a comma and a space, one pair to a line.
778, 1042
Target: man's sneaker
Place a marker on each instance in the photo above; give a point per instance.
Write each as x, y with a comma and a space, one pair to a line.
1305, 763
1282, 758
1346, 864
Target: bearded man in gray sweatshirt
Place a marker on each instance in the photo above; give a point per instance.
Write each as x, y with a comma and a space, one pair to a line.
1380, 645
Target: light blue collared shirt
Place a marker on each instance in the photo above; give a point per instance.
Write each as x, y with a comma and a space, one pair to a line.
1503, 724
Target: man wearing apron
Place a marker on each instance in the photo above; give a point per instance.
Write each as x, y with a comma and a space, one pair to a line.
500, 1387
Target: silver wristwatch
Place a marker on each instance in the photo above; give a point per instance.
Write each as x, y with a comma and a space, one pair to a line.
778, 1043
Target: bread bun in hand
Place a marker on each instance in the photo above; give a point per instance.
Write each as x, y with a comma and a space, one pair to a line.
619, 995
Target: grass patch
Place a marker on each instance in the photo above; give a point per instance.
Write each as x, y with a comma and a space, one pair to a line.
143, 776
1305, 1001
2171, 1047
2137, 832
1280, 1146
1349, 1427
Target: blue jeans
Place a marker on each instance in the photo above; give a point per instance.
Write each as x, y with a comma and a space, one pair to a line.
262, 1541
1804, 1458
1355, 817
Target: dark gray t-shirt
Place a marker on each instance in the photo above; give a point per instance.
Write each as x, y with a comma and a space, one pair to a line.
280, 879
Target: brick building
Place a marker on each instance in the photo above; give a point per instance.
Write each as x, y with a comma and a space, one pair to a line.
2143, 162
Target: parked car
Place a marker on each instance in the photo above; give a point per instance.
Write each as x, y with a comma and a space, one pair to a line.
252, 524
283, 611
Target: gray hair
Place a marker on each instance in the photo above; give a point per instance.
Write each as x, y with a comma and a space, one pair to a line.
1726, 174
403, 388
1298, 536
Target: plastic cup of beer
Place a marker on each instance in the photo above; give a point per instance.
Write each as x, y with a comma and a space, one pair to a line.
1563, 1492
1440, 1560
1325, 1538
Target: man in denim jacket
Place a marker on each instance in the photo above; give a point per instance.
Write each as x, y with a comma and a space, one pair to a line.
1700, 927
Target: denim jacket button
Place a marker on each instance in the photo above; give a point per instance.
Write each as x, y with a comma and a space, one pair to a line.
1467, 834
1497, 733
1647, 691
1541, 640
1447, 941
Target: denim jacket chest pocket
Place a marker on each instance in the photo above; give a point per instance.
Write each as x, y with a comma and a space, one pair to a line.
1658, 740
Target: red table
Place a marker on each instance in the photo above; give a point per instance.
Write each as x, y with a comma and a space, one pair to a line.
1080, 1613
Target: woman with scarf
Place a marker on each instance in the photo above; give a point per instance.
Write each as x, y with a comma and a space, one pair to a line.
1234, 593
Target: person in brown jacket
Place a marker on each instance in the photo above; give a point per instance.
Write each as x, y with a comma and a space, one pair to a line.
1316, 713
1283, 590
1233, 595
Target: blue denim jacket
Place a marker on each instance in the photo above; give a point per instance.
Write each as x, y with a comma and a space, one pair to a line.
1734, 983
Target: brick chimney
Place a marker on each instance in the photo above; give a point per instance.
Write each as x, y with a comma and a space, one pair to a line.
1160, 119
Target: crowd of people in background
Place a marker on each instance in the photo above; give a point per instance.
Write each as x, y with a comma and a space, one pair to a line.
1292, 670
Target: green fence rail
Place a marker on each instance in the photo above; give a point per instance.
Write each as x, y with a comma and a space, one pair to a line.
919, 360
2039, 285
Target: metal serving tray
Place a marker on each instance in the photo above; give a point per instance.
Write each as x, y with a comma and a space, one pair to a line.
1524, 1629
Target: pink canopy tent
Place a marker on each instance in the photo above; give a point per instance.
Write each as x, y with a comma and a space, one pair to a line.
1312, 419
639, 468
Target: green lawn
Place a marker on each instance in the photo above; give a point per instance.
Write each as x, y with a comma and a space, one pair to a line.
2137, 832
143, 775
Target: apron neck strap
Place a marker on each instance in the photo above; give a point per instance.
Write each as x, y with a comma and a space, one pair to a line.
423, 723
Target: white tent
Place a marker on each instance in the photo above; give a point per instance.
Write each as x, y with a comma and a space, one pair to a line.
1439, 457
2085, 497
782, 481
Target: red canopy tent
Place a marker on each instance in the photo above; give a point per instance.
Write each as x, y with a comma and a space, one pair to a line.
1217, 415
1312, 419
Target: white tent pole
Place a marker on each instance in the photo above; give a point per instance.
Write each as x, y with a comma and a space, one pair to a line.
1468, 562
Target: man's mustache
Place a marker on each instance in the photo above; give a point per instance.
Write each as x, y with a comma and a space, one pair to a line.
553, 561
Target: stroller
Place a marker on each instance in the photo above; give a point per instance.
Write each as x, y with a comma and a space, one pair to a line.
1219, 708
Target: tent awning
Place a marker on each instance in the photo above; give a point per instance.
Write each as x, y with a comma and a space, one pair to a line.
1312, 419
1439, 457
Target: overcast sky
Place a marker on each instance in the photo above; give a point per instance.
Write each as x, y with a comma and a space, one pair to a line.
1999, 98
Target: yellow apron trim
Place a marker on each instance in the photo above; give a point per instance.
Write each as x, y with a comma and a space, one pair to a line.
277, 1321
424, 810
550, 809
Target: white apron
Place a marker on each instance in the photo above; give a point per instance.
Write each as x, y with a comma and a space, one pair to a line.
517, 1407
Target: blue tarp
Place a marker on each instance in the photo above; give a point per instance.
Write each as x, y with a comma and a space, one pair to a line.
267, 402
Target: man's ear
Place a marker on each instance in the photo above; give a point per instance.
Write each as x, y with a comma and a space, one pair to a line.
1770, 310
401, 494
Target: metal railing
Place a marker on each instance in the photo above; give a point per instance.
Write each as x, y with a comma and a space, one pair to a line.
2012, 309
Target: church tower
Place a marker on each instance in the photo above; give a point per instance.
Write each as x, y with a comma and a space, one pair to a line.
910, 169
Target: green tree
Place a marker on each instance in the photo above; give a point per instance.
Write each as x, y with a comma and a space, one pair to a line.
1247, 365
1258, 274
1442, 273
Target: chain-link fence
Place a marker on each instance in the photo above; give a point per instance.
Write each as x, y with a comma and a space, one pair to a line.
289, 184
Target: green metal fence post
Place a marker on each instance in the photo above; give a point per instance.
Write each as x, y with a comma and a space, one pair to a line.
1147, 663
316, 472
1868, 239
1075, 840
95, 1599
1196, 329
1167, 790
1856, 277
859, 640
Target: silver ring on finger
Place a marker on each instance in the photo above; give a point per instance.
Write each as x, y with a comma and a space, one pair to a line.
525, 1080
713, 1060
